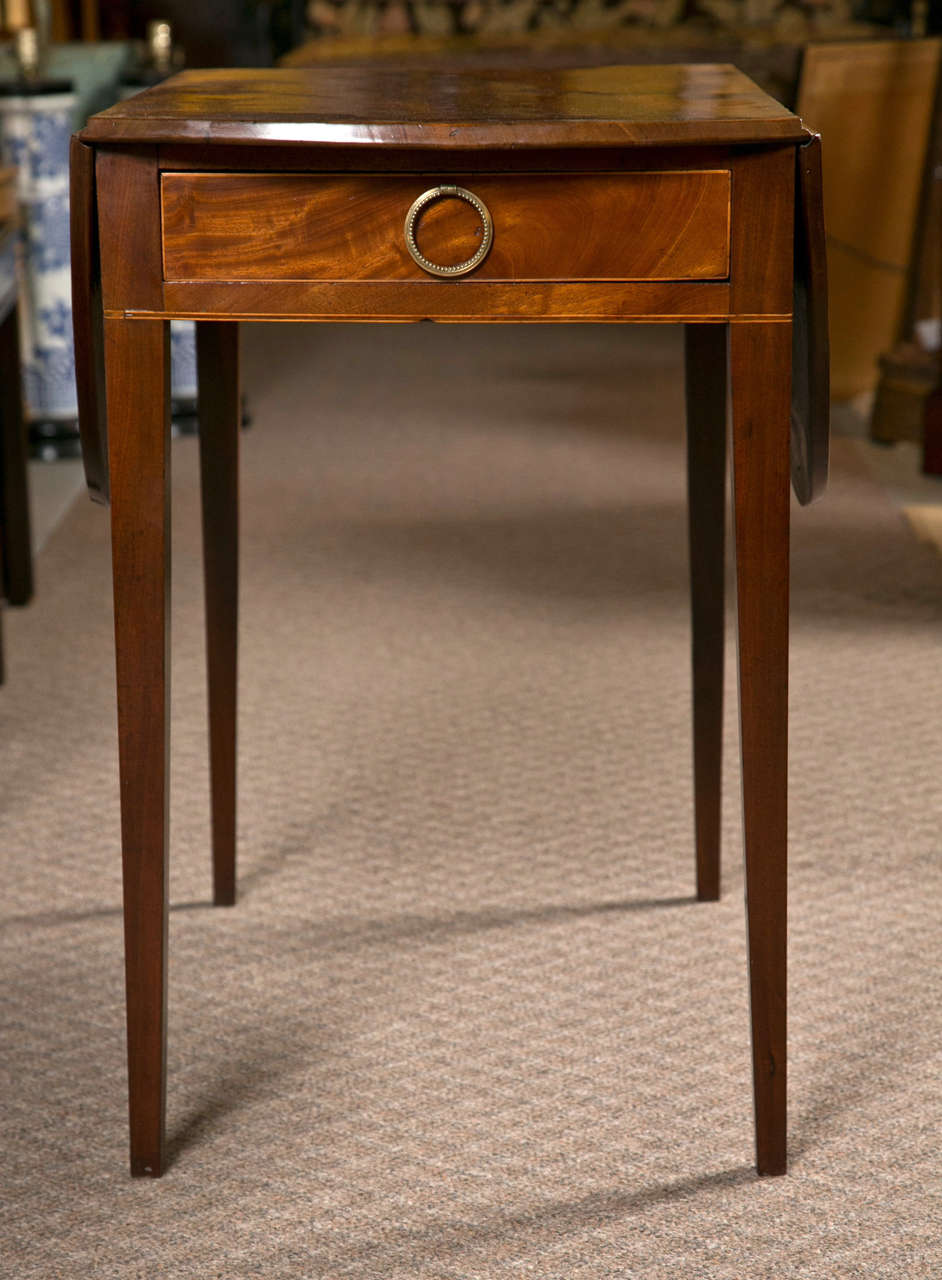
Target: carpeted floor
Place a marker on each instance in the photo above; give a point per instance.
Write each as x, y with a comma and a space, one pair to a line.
466, 1020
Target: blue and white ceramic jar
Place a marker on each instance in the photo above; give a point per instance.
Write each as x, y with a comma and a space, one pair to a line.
36, 122
35, 126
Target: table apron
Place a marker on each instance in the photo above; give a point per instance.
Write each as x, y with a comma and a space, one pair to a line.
448, 301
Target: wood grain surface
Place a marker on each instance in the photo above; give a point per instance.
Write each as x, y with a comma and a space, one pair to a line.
129, 227
230, 157
87, 318
761, 252
811, 362
639, 226
217, 361
448, 301
281, 195
705, 358
760, 377
593, 107
137, 361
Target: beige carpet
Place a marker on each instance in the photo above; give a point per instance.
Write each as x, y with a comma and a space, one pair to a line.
466, 1020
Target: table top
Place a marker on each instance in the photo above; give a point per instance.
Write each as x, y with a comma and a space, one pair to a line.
688, 105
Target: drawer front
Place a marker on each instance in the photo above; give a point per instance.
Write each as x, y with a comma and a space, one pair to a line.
546, 227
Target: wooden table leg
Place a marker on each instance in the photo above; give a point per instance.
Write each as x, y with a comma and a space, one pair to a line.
14, 494
3, 667
217, 353
137, 370
760, 371
705, 351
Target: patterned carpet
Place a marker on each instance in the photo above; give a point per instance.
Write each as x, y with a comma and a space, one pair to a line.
466, 1020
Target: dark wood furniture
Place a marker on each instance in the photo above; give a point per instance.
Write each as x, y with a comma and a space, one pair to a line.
617, 194
769, 56
16, 559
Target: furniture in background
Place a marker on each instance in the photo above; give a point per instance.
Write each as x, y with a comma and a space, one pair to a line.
58, 19
906, 403
932, 403
214, 32
873, 101
16, 565
677, 194
772, 59
37, 118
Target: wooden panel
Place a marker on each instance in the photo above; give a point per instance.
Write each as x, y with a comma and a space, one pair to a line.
128, 196
211, 157
589, 107
472, 300
672, 226
761, 252
87, 319
872, 104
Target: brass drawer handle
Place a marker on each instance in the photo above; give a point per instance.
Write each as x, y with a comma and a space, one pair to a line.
438, 193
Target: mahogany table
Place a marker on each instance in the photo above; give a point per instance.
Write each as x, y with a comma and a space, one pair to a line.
625, 194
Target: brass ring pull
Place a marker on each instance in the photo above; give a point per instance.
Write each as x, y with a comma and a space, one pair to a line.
461, 268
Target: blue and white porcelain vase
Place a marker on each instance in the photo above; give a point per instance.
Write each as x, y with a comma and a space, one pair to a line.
36, 122
35, 126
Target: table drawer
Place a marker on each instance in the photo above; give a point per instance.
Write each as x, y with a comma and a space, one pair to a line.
546, 227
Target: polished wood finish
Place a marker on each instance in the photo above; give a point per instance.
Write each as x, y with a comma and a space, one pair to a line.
260, 191
89, 11
16, 578
761, 250
217, 356
16, 561
705, 361
447, 301
129, 229
87, 307
811, 380
137, 358
227, 157
546, 227
594, 107
760, 375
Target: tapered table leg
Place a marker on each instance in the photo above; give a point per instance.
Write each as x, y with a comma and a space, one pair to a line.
760, 370
137, 369
217, 353
705, 352
14, 496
